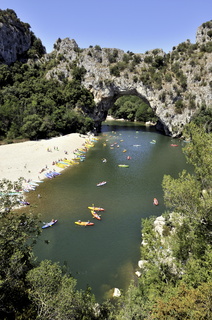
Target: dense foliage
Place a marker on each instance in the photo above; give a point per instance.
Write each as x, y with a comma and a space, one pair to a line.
33, 107
132, 108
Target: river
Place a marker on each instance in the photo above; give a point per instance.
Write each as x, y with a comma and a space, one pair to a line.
105, 256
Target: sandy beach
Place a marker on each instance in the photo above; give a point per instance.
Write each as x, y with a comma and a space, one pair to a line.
32, 159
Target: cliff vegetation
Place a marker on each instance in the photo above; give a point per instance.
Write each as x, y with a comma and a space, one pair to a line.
73, 89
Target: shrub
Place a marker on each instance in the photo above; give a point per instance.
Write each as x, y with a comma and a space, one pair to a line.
168, 77
148, 59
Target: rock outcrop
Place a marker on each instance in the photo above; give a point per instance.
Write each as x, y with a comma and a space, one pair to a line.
176, 85
15, 37
204, 33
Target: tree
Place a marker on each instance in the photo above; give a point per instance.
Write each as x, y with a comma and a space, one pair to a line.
10, 198
18, 232
78, 73
55, 294
184, 303
199, 154
31, 126
182, 194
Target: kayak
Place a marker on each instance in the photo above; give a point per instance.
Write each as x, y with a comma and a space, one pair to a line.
25, 203
96, 208
155, 201
84, 223
95, 215
49, 224
101, 183
123, 165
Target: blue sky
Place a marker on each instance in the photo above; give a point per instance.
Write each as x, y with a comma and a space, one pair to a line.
134, 25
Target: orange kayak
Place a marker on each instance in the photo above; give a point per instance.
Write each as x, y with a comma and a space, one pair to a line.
95, 215
96, 208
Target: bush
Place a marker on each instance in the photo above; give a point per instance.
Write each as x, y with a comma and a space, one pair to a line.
114, 71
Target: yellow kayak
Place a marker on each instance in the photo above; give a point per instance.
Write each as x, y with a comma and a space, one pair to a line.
84, 223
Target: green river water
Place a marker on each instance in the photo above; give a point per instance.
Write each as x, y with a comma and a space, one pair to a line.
105, 255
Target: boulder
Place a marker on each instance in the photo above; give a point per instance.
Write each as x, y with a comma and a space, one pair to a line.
116, 293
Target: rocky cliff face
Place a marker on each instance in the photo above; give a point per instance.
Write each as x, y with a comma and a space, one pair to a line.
175, 85
204, 33
15, 37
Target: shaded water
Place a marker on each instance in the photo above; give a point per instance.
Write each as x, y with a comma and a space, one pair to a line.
105, 255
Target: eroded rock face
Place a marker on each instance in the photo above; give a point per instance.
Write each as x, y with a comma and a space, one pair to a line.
15, 39
204, 33
175, 85
176, 89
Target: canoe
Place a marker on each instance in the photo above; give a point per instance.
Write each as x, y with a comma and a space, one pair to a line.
155, 201
123, 165
101, 183
174, 145
96, 208
49, 224
84, 223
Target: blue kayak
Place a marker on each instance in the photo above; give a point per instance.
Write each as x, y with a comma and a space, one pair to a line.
49, 224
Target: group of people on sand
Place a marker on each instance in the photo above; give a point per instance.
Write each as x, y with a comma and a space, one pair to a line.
50, 150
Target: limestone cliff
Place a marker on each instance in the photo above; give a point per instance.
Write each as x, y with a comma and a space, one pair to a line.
176, 85
15, 37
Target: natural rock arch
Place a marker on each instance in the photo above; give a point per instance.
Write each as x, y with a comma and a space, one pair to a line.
175, 85
106, 96
107, 103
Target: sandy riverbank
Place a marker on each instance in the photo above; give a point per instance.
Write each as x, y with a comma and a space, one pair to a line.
27, 159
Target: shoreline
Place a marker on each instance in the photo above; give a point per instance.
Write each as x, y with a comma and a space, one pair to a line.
32, 159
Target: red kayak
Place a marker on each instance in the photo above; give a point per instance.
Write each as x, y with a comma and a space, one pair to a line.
155, 202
